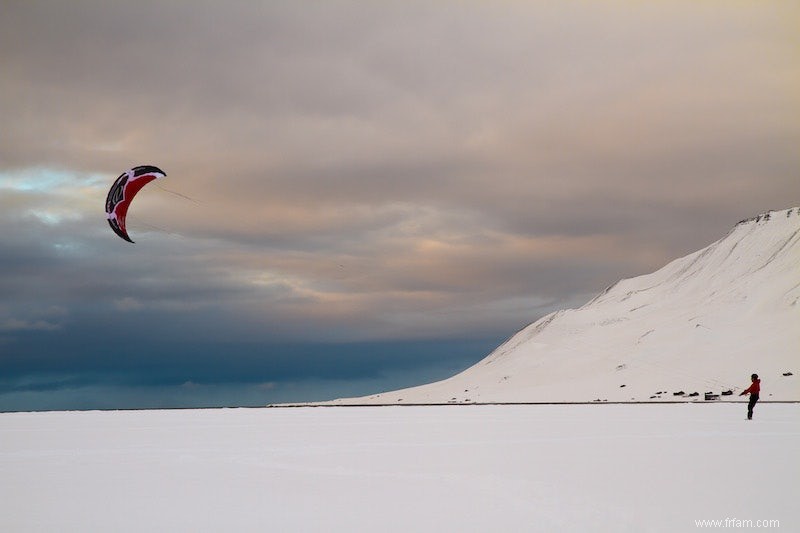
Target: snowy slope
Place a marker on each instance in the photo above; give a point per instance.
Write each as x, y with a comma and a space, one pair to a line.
702, 323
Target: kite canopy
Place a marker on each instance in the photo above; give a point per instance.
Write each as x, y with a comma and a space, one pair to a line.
122, 192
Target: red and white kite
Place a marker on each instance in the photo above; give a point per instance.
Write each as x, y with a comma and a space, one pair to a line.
122, 192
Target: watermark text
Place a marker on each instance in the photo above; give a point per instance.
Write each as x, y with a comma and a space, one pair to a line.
737, 523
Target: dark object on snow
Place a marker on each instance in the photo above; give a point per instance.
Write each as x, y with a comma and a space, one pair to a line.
621, 386
710, 396
727, 392
679, 393
787, 374
692, 395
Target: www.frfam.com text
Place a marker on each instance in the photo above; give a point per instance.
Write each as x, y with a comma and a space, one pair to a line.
737, 523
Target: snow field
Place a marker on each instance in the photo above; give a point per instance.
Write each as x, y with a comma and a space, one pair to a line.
432, 468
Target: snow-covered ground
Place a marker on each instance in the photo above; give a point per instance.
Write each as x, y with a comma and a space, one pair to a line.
411, 469
702, 323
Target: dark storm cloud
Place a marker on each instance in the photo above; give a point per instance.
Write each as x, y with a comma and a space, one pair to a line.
350, 172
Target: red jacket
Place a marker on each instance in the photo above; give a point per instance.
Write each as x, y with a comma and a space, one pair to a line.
755, 388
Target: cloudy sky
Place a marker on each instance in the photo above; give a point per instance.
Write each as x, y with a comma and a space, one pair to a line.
360, 195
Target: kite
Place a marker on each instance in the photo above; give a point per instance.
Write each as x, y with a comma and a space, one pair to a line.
122, 192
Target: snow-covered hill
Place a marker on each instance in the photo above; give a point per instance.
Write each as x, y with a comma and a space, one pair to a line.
702, 323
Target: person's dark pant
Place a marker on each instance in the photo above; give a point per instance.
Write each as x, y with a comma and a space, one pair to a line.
750, 405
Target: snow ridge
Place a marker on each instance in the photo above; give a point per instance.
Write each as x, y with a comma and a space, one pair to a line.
701, 324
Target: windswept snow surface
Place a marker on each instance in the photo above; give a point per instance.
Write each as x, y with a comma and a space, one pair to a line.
703, 323
404, 469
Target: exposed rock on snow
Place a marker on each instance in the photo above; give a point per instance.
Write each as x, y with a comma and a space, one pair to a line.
703, 322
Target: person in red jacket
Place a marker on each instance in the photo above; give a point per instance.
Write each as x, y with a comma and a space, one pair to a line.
753, 390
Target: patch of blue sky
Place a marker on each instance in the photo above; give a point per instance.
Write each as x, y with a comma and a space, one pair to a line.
53, 217
44, 179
